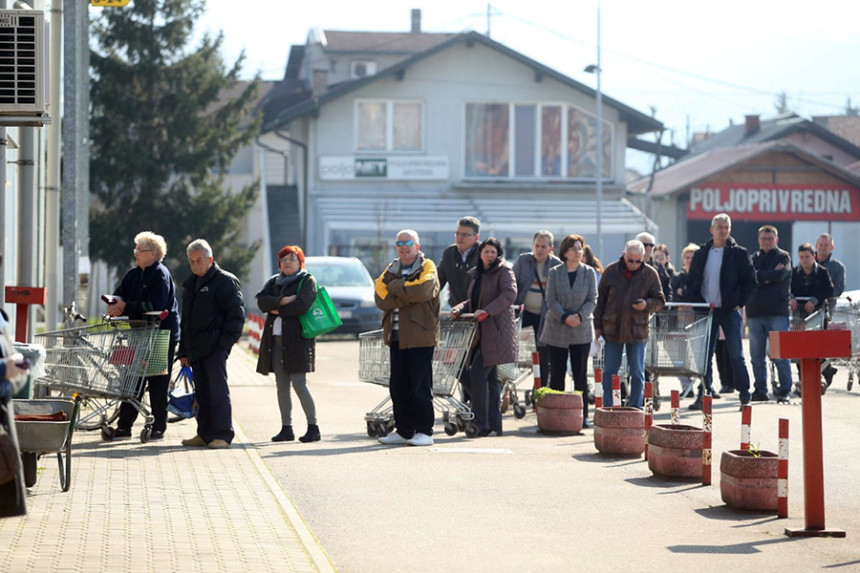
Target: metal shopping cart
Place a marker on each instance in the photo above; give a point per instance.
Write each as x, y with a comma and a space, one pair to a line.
846, 316
598, 362
449, 358
678, 345
106, 361
513, 374
799, 320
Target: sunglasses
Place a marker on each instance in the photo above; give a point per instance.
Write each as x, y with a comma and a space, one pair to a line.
648, 244
408, 243
633, 261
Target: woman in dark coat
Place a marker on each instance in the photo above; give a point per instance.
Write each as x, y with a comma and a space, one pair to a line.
285, 297
491, 296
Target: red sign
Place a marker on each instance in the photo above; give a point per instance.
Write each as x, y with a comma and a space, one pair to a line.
774, 202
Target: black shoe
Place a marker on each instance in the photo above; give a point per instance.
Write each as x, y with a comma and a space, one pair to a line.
285, 435
715, 396
585, 425
782, 399
697, 405
312, 435
121, 433
727, 390
156, 435
759, 396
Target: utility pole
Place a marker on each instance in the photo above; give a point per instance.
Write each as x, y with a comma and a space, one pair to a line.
52, 178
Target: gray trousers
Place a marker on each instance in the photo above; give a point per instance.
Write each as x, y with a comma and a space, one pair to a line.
299, 382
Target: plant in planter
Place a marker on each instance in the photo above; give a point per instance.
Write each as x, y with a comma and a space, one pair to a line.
748, 479
558, 412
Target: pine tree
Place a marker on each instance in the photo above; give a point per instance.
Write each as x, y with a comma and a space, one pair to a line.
166, 123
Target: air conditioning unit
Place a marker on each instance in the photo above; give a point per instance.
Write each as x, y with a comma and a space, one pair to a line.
23, 63
362, 68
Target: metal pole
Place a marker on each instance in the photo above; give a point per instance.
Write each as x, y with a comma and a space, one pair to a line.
52, 188
599, 158
3, 149
26, 214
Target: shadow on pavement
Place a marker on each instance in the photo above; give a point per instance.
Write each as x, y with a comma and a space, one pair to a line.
610, 461
749, 518
734, 549
676, 486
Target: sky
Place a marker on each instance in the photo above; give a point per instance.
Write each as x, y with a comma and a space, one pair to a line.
699, 65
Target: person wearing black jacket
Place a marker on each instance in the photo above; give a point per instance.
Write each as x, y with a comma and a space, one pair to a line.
809, 280
213, 315
458, 258
722, 274
148, 288
767, 311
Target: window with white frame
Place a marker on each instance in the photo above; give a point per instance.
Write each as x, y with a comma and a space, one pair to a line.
533, 140
388, 125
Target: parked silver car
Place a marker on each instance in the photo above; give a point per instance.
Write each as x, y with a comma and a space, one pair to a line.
350, 287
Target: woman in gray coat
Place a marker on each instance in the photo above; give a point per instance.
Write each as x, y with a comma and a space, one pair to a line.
571, 296
491, 294
283, 350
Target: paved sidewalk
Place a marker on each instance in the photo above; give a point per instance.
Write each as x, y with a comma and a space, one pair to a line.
159, 506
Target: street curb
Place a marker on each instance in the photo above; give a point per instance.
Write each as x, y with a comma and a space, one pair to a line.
309, 541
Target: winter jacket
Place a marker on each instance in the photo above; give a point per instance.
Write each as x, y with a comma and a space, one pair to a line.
213, 314
836, 270
819, 291
497, 332
737, 276
770, 297
665, 278
525, 271
416, 297
454, 272
562, 300
614, 316
297, 353
680, 281
150, 290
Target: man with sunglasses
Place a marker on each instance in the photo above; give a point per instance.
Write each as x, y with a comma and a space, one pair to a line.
628, 293
408, 293
722, 274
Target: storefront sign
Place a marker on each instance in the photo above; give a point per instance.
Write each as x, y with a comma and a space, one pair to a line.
775, 202
389, 168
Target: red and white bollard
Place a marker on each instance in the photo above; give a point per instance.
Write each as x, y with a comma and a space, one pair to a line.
649, 412
676, 407
707, 413
616, 390
536, 373
598, 388
782, 470
746, 426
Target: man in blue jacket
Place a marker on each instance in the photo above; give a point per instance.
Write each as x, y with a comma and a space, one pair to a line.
722, 274
213, 316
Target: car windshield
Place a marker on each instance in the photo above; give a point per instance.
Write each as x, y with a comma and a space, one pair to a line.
339, 275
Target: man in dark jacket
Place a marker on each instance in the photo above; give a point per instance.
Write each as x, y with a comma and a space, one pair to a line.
836, 269
628, 293
767, 310
722, 274
213, 316
458, 258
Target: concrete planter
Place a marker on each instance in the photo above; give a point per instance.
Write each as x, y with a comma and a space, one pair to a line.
619, 431
749, 482
675, 451
560, 413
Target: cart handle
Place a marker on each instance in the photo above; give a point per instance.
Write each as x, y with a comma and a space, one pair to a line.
693, 304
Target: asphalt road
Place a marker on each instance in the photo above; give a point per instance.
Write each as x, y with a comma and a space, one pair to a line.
528, 502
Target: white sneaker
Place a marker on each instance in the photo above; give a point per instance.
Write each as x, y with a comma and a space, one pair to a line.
393, 439
420, 439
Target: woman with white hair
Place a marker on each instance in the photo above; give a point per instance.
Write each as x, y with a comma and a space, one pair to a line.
148, 287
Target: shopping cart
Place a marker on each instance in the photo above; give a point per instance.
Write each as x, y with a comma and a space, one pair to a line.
513, 374
678, 344
106, 361
449, 358
799, 320
846, 316
598, 362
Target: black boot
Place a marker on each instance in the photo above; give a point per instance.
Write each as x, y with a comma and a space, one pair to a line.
313, 434
285, 435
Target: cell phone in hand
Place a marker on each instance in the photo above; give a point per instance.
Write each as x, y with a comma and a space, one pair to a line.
109, 298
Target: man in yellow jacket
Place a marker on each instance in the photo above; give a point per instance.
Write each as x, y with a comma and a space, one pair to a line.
408, 292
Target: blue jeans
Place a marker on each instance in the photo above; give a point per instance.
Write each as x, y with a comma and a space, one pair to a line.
731, 322
635, 366
760, 327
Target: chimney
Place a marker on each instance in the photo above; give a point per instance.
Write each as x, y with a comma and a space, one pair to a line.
751, 124
416, 21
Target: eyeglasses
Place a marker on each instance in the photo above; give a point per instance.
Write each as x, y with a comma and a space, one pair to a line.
138, 251
408, 243
464, 235
649, 245
633, 261
289, 259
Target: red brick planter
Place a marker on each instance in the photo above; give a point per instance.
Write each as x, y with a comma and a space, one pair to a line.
619, 431
560, 413
748, 482
675, 451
